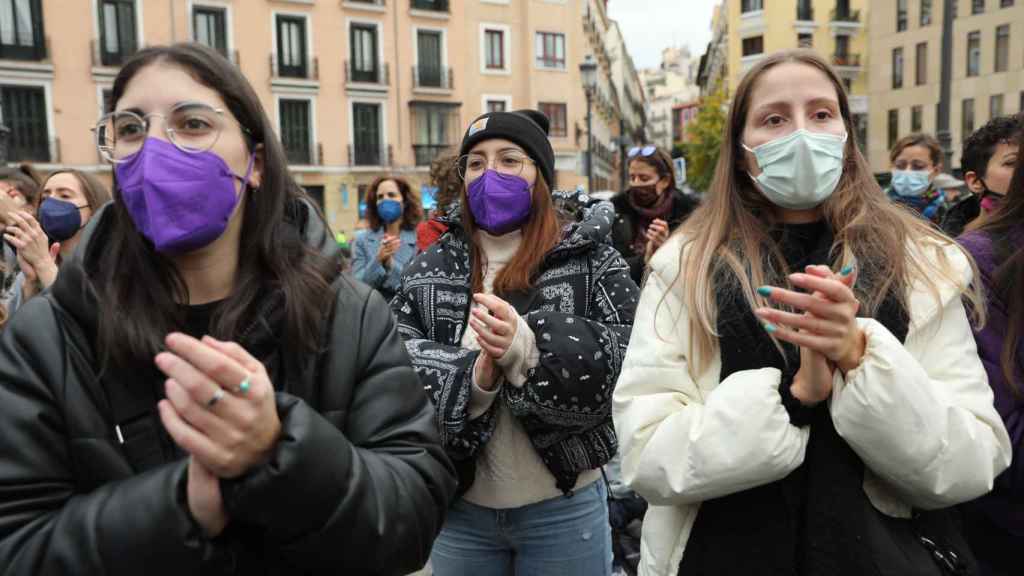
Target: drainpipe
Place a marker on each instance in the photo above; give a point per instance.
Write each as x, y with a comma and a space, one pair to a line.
945, 89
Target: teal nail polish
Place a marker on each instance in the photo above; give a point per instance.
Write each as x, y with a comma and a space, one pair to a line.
765, 291
769, 328
846, 271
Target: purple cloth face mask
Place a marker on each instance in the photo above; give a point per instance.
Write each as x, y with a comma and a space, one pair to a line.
179, 201
499, 203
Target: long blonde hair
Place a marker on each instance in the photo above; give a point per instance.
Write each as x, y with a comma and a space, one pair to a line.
727, 238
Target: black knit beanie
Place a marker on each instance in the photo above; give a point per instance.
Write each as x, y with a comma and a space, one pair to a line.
527, 128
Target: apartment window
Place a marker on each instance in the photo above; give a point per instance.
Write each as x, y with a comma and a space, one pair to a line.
1002, 48
848, 84
433, 5
365, 66
977, 6
117, 31
106, 101
751, 5
291, 46
316, 194
555, 112
804, 11
926, 13
901, 15
494, 43
428, 49
434, 127
805, 40
753, 46
915, 118
24, 113
921, 64
551, 50
209, 27
974, 53
894, 127
497, 106
1005, 3
995, 106
296, 131
897, 68
367, 133
21, 30
1020, 108
966, 118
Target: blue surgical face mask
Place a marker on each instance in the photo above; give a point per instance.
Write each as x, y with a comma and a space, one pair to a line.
801, 170
389, 210
910, 183
60, 219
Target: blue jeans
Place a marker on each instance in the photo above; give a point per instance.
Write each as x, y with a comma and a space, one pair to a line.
564, 536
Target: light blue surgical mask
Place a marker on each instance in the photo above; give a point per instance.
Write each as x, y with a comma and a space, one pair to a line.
800, 170
910, 183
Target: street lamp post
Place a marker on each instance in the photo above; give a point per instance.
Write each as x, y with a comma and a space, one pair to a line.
945, 88
4, 133
588, 74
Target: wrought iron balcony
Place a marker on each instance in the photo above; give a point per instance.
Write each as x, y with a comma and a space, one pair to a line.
432, 77
379, 74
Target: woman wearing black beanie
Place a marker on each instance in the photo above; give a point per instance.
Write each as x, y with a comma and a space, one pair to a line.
516, 321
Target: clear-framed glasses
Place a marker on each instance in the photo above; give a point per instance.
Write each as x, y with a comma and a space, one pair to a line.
193, 127
644, 151
508, 162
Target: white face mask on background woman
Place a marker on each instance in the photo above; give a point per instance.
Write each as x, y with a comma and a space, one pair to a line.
801, 170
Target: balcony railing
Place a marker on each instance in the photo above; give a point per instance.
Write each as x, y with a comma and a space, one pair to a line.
307, 70
851, 16
379, 75
32, 149
370, 2
37, 51
848, 60
305, 156
432, 5
432, 77
359, 155
426, 153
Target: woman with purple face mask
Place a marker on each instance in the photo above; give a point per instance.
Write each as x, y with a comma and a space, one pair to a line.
516, 321
202, 390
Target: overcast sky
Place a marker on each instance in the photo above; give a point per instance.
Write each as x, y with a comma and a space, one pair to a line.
651, 25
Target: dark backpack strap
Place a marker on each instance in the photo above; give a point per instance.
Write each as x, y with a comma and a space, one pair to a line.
130, 407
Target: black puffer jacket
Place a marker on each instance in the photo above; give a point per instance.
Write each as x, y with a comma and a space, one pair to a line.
627, 219
581, 310
357, 484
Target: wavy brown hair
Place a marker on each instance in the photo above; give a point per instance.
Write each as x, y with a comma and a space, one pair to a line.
729, 232
541, 234
96, 194
412, 208
1004, 226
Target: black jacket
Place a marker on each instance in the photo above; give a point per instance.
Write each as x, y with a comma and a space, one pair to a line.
581, 310
357, 484
626, 220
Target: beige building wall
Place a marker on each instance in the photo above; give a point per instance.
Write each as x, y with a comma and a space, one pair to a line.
73, 79
885, 99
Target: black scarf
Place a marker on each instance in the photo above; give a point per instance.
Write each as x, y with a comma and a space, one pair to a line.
817, 521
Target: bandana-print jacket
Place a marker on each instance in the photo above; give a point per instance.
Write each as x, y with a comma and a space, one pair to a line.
581, 310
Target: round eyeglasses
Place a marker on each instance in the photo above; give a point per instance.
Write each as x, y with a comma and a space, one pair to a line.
193, 127
508, 162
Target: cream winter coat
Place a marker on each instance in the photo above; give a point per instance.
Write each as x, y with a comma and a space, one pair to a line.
919, 414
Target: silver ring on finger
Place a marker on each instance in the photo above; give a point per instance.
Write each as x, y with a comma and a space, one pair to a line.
218, 395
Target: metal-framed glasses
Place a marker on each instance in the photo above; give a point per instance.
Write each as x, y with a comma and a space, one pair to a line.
193, 127
644, 151
507, 162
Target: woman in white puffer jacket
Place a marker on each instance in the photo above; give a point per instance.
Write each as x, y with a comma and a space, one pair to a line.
812, 437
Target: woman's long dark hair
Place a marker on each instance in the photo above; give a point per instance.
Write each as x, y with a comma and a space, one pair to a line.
140, 292
1006, 226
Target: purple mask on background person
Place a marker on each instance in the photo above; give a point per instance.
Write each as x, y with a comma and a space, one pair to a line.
179, 201
499, 203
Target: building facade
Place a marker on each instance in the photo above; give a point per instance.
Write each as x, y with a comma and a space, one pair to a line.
713, 68
672, 84
906, 43
356, 88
